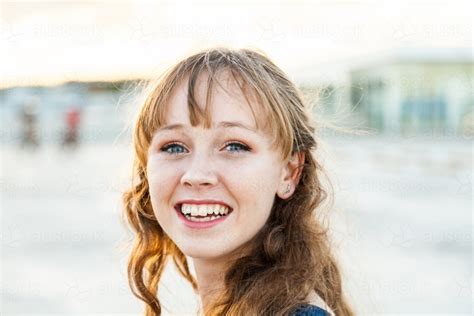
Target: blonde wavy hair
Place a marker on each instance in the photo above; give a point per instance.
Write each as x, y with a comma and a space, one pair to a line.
291, 255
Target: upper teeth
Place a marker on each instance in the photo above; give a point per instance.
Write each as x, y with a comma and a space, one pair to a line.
204, 209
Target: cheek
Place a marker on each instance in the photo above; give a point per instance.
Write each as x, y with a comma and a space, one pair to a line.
161, 182
256, 177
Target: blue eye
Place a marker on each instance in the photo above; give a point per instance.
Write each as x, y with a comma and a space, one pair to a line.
172, 146
176, 149
238, 145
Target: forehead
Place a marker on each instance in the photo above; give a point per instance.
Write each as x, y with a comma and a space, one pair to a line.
227, 102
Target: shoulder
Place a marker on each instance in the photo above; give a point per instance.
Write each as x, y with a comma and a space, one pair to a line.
310, 310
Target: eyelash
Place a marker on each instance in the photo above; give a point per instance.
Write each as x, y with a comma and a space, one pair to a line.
243, 147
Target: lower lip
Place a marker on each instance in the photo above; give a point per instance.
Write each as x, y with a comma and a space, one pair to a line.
199, 225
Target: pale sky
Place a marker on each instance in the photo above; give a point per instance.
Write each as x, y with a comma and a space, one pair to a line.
51, 42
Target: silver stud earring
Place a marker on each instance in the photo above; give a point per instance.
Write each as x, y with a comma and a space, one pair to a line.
288, 189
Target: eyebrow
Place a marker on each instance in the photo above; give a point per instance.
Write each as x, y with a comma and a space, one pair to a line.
223, 124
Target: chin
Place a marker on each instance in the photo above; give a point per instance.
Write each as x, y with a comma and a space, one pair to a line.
203, 252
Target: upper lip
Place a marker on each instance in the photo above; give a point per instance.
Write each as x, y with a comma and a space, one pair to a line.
202, 202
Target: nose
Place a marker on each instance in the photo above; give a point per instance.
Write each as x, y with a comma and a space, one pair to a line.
199, 174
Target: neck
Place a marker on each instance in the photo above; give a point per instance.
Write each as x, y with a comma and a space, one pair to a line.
210, 279
210, 273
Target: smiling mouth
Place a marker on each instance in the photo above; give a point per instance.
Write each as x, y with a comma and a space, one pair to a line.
198, 217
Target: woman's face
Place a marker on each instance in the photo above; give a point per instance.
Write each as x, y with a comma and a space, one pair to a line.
233, 165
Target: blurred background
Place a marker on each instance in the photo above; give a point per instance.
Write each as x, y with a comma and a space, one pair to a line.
401, 70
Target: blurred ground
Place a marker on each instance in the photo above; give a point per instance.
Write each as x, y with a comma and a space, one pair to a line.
402, 226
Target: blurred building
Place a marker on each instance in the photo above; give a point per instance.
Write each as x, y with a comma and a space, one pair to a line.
416, 92
102, 105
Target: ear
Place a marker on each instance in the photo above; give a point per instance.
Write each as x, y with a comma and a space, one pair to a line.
291, 175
